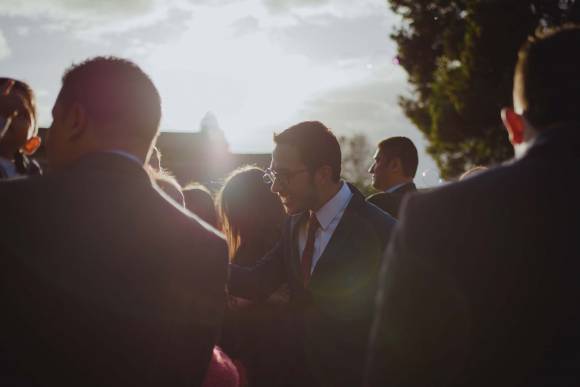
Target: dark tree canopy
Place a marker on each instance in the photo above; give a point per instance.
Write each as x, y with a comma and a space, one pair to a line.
460, 56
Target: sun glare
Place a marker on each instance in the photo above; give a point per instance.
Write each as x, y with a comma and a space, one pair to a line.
247, 79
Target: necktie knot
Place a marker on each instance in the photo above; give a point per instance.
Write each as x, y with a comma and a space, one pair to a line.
313, 223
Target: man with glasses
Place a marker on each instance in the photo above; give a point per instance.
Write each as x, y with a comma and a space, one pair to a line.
329, 255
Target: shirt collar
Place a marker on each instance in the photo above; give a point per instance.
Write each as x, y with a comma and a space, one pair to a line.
393, 189
334, 206
126, 155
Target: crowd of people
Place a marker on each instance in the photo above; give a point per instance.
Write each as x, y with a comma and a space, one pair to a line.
115, 275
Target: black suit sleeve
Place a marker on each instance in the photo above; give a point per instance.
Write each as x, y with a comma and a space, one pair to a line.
261, 280
420, 323
386, 202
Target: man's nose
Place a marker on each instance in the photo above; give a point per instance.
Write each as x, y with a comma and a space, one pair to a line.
372, 167
275, 186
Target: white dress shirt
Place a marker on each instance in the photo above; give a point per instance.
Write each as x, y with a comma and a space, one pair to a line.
329, 215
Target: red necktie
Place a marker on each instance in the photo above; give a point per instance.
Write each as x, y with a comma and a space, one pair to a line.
309, 248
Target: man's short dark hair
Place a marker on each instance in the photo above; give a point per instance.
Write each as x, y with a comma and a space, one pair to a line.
316, 145
403, 149
547, 77
114, 90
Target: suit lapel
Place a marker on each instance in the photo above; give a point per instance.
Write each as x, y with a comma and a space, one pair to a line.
341, 239
338, 244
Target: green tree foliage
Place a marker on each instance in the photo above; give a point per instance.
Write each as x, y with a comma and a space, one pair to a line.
460, 57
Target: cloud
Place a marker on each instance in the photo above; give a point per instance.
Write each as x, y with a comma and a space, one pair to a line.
339, 8
89, 19
23, 30
368, 106
245, 25
4, 48
283, 6
330, 38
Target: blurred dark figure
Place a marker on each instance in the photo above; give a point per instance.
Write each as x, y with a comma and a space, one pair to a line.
252, 217
199, 201
329, 255
393, 170
223, 372
104, 281
485, 292
18, 129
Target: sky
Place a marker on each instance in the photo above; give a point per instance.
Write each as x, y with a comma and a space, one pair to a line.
258, 65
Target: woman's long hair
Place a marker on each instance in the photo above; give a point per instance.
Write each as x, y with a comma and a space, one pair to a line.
25, 94
250, 215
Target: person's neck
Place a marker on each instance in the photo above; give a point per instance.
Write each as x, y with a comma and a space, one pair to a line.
326, 195
399, 182
137, 155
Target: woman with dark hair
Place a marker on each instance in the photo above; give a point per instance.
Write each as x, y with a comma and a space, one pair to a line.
18, 129
251, 218
250, 215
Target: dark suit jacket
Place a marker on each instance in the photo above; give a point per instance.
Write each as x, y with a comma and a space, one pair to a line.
391, 201
104, 281
332, 315
481, 283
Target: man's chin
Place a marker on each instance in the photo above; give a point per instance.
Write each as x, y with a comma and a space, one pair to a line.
292, 210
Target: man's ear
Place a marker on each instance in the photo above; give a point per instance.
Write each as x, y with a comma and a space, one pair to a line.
514, 123
395, 165
78, 121
324, 173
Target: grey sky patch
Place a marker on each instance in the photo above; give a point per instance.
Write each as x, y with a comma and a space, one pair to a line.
330, 39
4, 48
283, 6
245, 25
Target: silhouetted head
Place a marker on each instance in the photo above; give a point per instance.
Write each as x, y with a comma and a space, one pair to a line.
198, 200
247, 210
395, 162
305, 168
546, 85
105, 103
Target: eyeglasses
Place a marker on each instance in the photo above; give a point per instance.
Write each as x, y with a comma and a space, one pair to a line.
271, 175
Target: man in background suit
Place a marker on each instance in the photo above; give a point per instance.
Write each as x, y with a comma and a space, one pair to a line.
105, 282
480, 284
393, 169
328, 255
